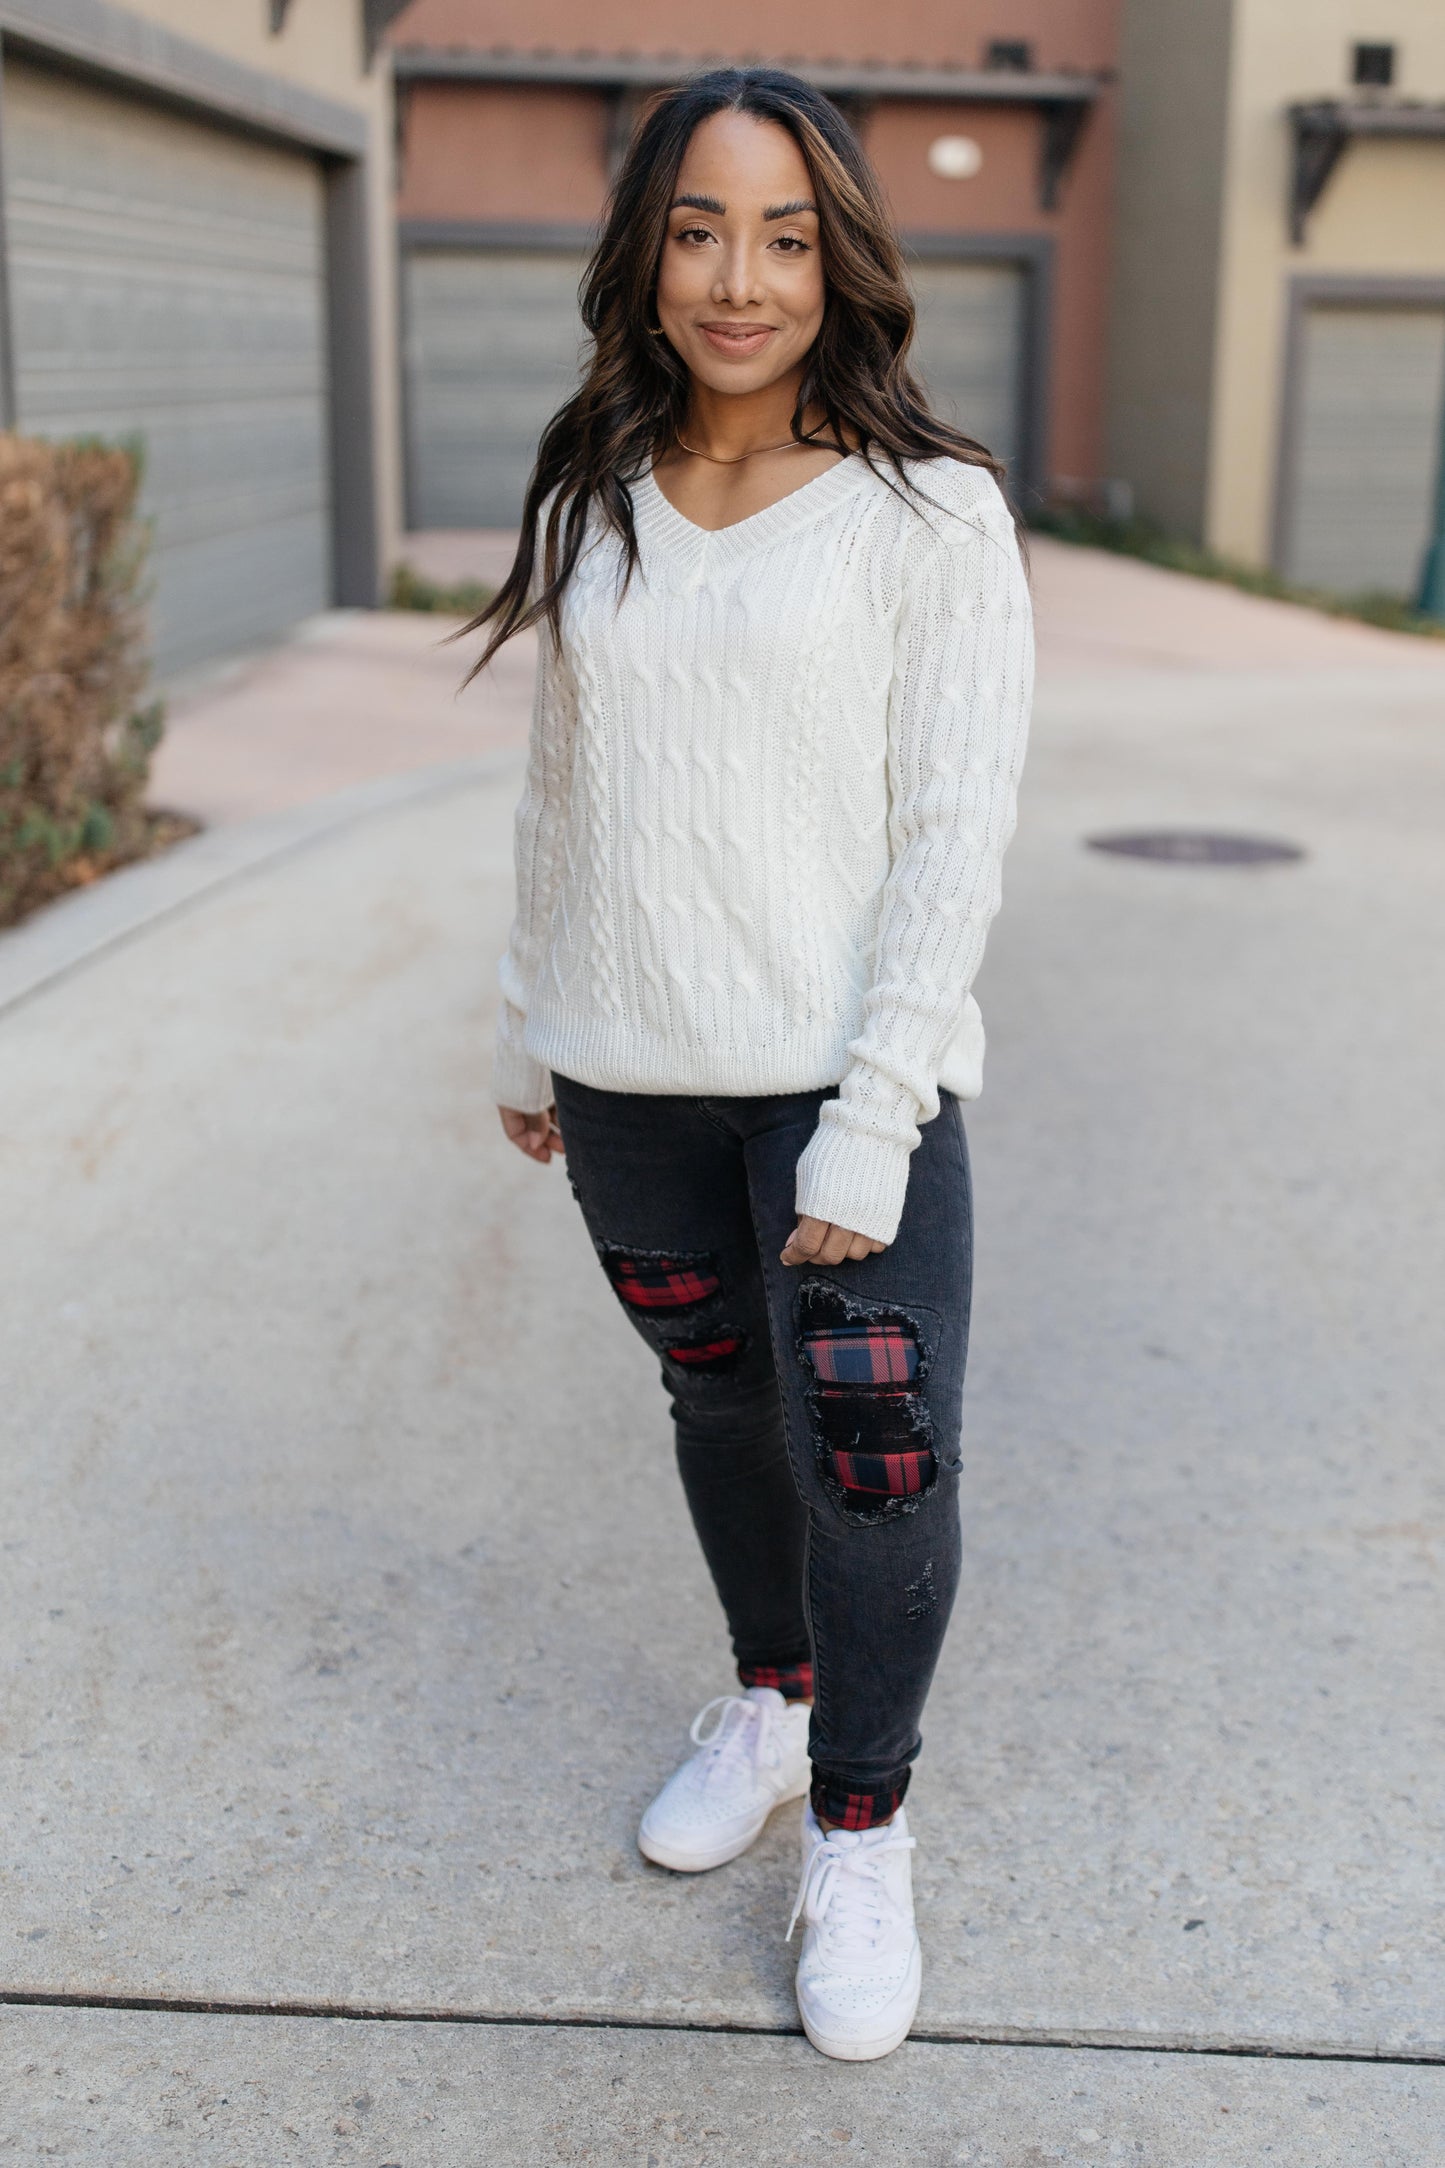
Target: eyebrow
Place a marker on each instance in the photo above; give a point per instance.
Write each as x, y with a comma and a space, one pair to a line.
719, 210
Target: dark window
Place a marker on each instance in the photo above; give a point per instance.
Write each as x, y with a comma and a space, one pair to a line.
1009, 53
1374, 64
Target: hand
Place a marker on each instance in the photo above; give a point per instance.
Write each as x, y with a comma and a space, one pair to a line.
819, 1242
535, 1134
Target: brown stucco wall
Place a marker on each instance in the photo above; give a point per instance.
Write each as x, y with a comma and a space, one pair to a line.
472, 151
1066, 33
1003, 198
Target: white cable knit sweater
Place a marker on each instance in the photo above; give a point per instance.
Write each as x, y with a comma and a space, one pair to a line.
766, 800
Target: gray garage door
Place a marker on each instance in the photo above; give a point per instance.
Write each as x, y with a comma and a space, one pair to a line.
492, 342
492, 339
1370, 392
970, 348
167, 283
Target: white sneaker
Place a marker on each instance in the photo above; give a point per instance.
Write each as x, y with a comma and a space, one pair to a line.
861, 1967
715, 1805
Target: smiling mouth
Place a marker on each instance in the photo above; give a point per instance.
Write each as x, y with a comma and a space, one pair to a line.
737, 338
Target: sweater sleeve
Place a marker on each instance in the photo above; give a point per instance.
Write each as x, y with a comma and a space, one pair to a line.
957, 724
517, 1080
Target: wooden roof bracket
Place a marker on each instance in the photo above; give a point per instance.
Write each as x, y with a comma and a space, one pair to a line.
1321, 130
1063, 124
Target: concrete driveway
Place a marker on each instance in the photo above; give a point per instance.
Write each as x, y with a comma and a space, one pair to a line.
349, 1629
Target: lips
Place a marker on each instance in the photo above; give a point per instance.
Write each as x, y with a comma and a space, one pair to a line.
739, 340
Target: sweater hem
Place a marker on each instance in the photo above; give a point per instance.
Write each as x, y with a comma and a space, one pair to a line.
614, 1059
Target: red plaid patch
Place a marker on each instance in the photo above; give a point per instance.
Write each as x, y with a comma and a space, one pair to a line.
846, 1809
793, 1681
707, 1351
862, 1354
662, 1283
885, 1475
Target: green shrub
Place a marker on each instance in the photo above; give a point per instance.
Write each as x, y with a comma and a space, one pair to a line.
75, 747
1140, 538
411, 590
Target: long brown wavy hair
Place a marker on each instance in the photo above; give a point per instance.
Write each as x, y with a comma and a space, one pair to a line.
634, 391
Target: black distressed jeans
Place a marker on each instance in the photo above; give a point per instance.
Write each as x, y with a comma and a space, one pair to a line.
817, 1409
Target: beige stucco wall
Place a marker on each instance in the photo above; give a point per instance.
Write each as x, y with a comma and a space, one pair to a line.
1382, 213
321, 50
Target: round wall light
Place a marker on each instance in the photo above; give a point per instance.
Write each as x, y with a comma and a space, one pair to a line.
955, 158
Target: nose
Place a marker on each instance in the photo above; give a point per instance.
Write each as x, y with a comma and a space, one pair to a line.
736, 282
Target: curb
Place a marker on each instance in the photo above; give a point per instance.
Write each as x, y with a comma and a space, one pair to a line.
74, 930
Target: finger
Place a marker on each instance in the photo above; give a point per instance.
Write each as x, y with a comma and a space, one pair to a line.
864, 1246
835, 1246
533, 1139
804, 1242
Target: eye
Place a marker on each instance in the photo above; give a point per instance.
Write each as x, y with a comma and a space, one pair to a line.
792, 244
692, 233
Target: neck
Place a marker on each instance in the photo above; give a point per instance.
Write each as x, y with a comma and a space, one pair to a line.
727, 425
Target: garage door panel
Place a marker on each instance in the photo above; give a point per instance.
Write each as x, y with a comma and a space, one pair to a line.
493, 341
226, 582
168, 286
970, 348
1371, 389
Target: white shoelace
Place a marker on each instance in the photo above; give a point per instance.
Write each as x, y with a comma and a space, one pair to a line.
842, 1894
743, 1731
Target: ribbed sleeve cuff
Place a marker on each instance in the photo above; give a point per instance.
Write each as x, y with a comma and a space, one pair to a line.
519, 1081
853, 1179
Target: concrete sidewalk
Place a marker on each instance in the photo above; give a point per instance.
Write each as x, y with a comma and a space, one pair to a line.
350, 1626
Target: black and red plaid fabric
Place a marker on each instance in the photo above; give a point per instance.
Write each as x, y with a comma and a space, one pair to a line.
706, 1351
885, 1475
862, 1354
845, 1809
876, 1444
662, 1283
793, 1681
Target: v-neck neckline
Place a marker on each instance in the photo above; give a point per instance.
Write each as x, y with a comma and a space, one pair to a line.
658, 513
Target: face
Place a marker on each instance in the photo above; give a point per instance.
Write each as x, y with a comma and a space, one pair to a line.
740, 282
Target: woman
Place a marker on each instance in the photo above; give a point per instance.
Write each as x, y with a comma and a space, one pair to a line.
780, 715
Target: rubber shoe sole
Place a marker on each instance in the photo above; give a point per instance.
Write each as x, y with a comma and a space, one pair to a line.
698, 1859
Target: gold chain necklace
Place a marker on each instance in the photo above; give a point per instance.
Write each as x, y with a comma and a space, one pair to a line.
737, 459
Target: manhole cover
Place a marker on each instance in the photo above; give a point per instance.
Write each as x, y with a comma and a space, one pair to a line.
1197, 847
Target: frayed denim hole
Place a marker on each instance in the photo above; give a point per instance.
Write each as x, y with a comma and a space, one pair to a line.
713, 1355
651, 1282
872, 1430
824, 1311
921, 1596
874, 1451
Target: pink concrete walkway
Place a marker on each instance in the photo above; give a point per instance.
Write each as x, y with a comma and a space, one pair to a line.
1100, 612
353, 696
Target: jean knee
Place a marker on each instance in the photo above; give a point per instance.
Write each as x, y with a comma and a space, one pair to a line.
679, 1301
872, 1428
